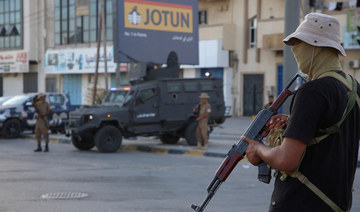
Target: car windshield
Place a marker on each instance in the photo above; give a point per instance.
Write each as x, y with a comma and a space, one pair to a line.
116, 96
17, 100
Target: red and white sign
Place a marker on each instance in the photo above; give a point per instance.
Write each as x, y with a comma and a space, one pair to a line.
14, 62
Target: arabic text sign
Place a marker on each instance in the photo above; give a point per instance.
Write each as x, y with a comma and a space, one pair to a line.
150, 30
14, 62
71, 61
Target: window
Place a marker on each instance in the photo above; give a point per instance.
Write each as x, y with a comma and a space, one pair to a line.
129, 97
206, 87
174, 87
11, 24
56, 100
147, 94
191, 87
70, 28
202, 17
252, 38
117, 96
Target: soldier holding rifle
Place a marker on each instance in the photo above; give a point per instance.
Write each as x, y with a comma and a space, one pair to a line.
316, 155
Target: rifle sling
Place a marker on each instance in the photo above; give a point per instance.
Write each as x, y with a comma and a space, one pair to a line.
351, 85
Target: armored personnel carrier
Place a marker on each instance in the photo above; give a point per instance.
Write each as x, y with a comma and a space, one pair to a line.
155, 103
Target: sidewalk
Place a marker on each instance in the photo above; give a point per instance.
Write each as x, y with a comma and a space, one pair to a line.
233, 126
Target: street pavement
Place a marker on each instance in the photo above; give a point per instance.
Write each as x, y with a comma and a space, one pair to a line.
220, 142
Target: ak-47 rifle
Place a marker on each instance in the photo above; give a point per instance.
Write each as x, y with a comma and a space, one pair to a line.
256, 131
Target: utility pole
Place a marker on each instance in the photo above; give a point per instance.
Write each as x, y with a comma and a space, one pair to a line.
104, 41
292, 18
98, 50
117, 75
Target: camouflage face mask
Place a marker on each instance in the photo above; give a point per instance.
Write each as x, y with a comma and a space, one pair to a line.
315, 61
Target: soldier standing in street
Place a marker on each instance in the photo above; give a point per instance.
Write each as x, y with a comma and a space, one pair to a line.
43, 109
271, 100
204, 109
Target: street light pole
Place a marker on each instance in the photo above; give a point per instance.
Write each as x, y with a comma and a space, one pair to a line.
292, 17
104, 42
98, 52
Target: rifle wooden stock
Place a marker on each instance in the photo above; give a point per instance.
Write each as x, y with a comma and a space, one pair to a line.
229, 164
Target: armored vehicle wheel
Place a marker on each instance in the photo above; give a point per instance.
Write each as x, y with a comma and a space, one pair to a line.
169, 139
11, 129
83, 143
108, 139
190, 133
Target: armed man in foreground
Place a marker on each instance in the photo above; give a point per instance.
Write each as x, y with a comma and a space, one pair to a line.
316, 156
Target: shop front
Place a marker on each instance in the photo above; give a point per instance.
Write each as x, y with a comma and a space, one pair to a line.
75, 70
14, 67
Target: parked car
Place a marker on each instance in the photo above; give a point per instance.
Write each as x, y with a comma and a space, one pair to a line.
18, 114
4, 99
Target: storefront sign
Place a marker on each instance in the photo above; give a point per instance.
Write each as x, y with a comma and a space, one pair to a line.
71, 61
148, 30
14, 62
82, 7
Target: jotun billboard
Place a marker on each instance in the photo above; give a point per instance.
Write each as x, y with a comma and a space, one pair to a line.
148, 30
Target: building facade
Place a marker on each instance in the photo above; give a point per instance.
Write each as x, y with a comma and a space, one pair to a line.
51, 46
21, 46
251, 33
71, 48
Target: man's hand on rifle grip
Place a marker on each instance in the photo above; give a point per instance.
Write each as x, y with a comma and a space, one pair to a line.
251, 154
277, 121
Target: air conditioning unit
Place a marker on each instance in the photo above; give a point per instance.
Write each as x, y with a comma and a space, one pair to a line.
354, 64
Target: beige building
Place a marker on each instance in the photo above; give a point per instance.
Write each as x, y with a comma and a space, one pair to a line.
251, 32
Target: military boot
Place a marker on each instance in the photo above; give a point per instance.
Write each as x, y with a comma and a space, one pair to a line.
205, 147
38, 149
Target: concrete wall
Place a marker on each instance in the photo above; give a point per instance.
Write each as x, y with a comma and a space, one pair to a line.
217, 11
228, 81
272, 9
30, 28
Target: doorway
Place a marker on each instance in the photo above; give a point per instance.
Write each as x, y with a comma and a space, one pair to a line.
72, 87
253, 94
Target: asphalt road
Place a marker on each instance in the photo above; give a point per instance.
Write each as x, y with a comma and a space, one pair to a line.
123, 181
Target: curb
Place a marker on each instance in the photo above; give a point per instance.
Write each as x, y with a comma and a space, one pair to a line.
142, 148
149, 149
60, 141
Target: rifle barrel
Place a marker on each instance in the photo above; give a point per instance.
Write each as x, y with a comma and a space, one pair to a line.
214, 186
